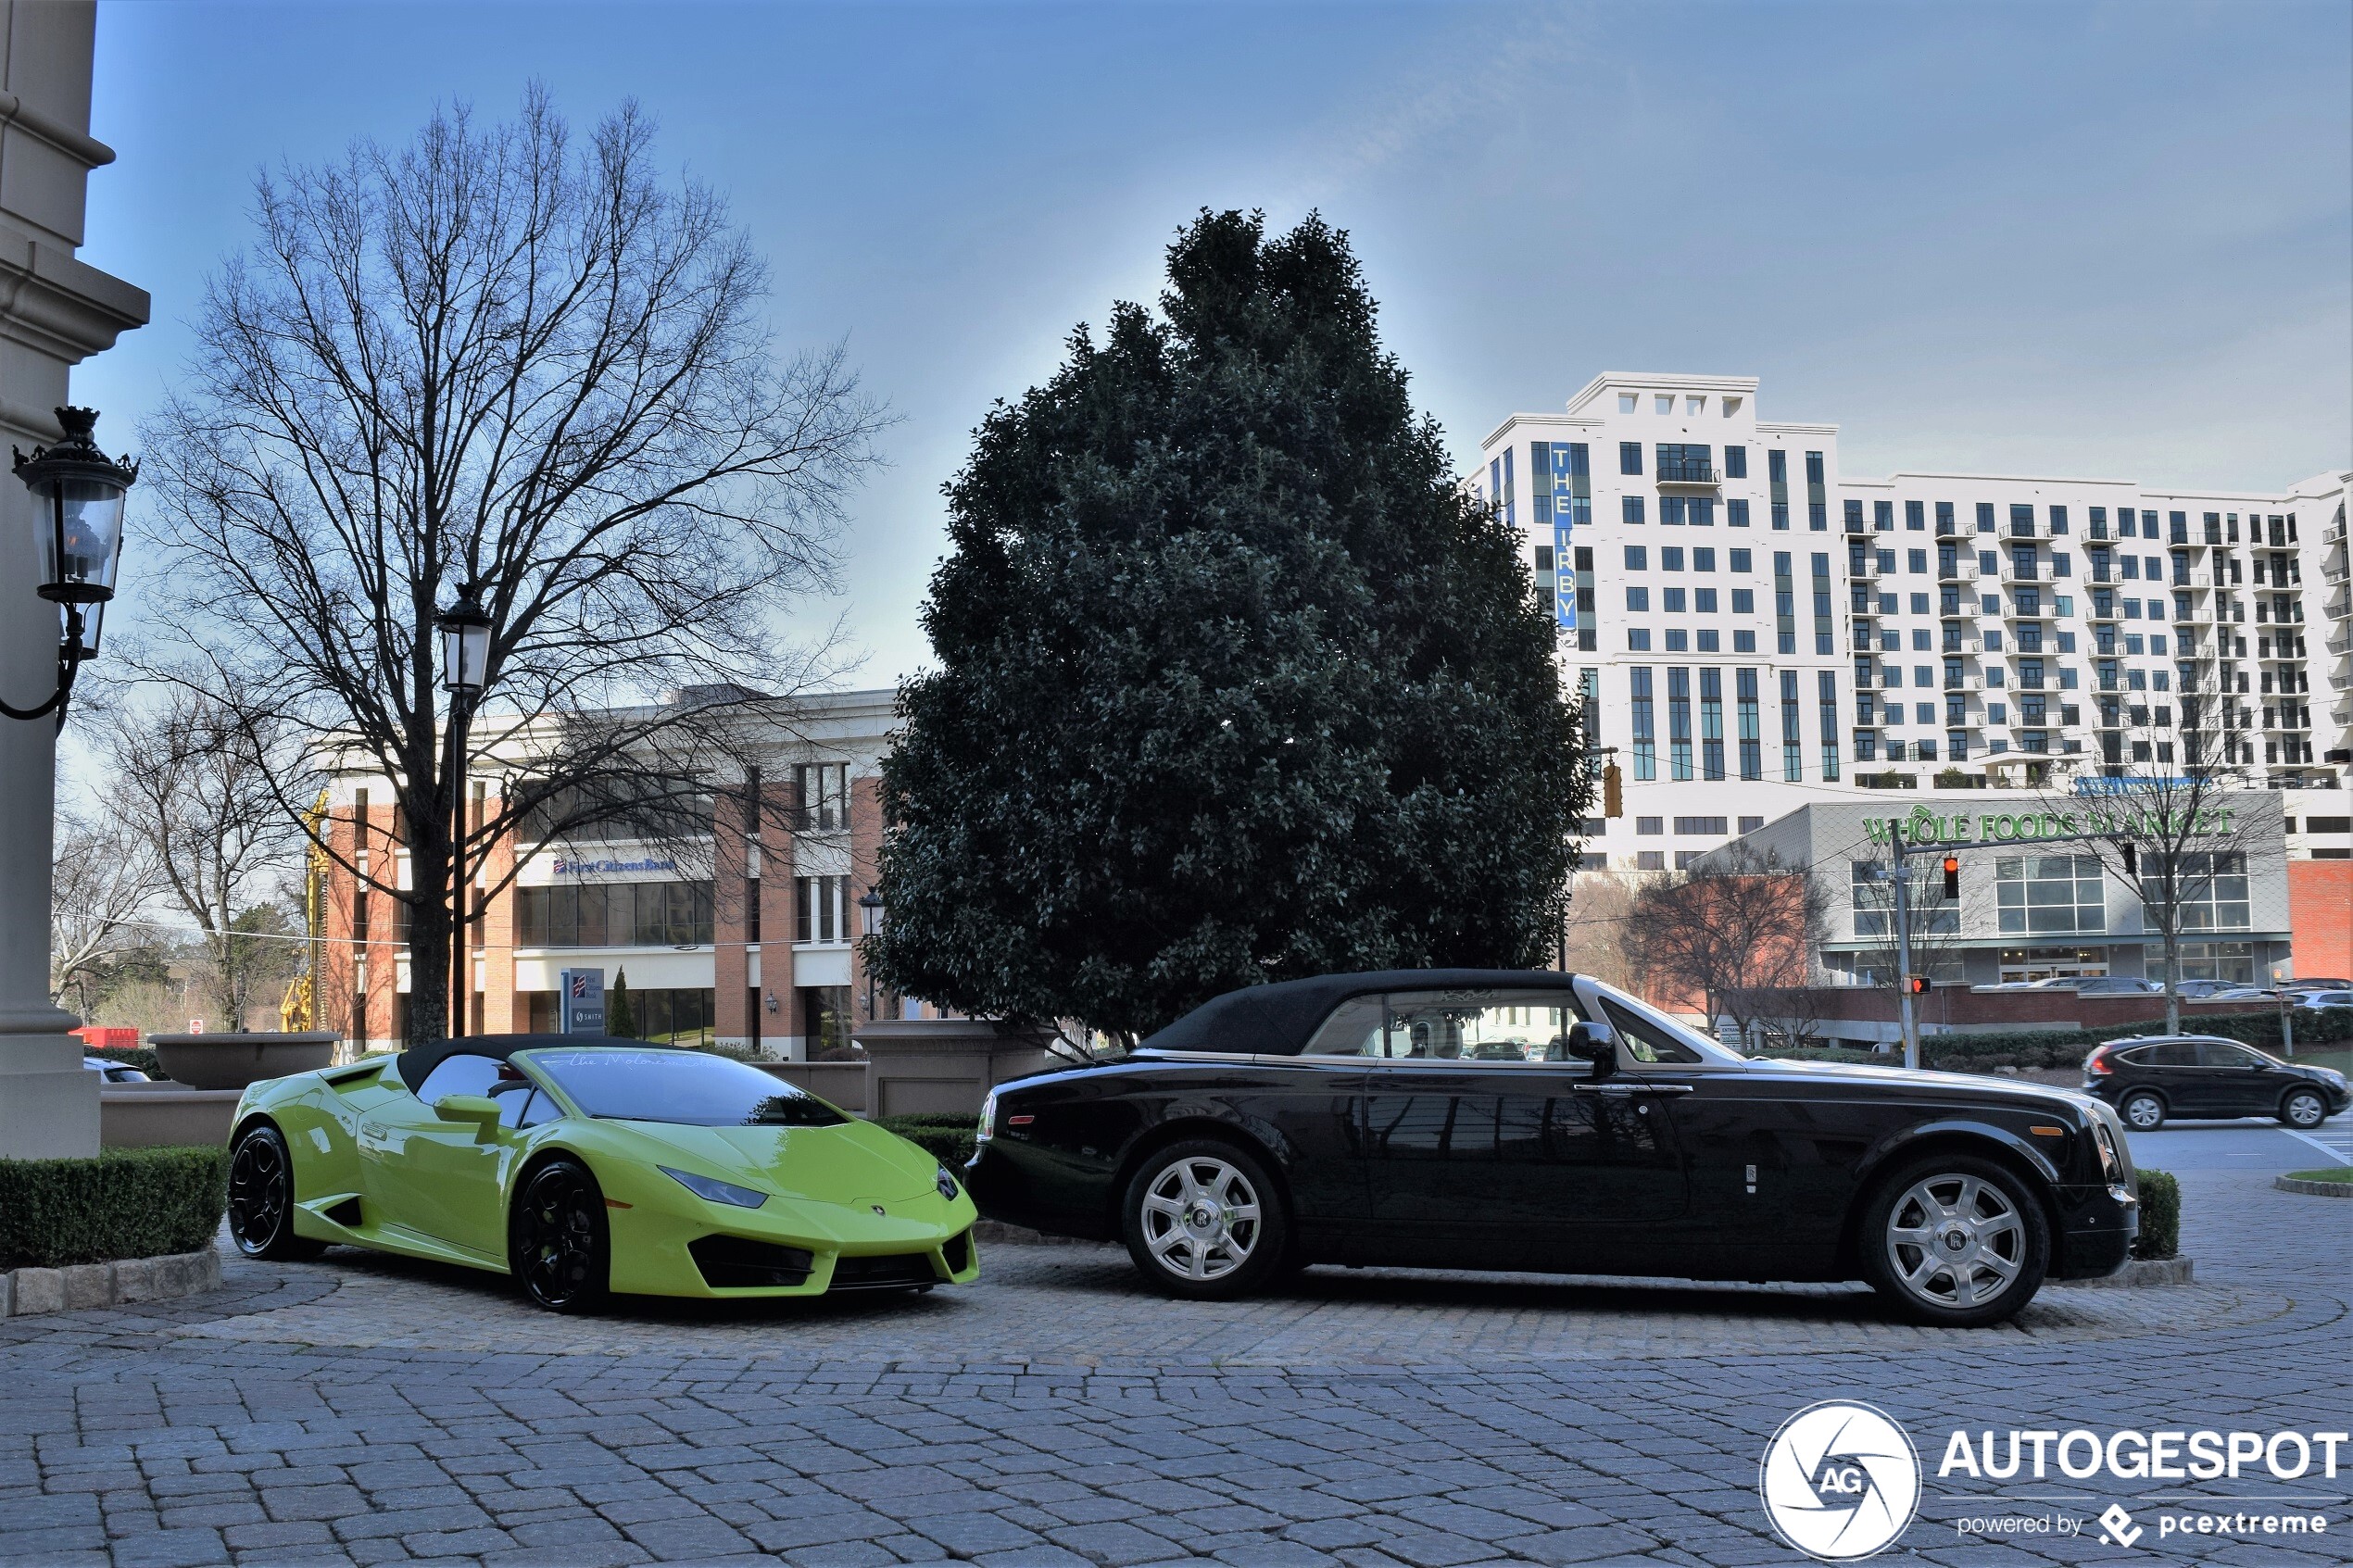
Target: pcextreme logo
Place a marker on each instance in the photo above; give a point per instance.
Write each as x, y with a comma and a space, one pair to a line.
1840, 1481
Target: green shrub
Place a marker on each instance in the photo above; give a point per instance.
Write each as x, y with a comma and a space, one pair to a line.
2160, 1216
126, 1203
947, 1139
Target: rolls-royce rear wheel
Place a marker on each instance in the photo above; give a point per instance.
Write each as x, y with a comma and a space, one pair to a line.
1955, 1240
1205, 1221
558, 1246
261, 1197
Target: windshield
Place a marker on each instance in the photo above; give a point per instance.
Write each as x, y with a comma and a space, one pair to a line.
1649, 1036
685, 1087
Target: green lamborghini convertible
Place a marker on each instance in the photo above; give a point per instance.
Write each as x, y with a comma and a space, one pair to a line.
588, 1167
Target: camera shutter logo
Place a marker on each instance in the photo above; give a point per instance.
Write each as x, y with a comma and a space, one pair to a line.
1840, 1481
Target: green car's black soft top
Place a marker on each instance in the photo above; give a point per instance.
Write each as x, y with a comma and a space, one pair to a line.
1276, 1020
417, 1063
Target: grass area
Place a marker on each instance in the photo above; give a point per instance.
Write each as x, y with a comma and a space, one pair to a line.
2334, 1173
2338, 1057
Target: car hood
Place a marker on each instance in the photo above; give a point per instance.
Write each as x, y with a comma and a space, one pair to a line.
1898, 1082
856, 1163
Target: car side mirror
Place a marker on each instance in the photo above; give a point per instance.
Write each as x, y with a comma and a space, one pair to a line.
1596, 1043
480, 1109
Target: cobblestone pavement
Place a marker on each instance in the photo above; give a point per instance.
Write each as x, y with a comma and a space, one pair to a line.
369, 1409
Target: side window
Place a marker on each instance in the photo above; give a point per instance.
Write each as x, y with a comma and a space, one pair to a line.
2214, 1053
1479, 1025
459, 1076
1353, 1029
1643, 1040
524, 1105
2171, 1053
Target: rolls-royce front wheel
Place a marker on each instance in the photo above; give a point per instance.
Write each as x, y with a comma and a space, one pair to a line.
1955, 1241
1204, 1220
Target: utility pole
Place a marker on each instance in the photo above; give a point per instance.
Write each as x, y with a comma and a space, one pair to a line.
1901, 883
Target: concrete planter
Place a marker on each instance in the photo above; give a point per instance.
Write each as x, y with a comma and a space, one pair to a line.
943, 1066
79, 1287
163, 1114
2138, 1273
235, 1062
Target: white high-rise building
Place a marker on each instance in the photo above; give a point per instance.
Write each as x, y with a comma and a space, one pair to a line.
1758, 630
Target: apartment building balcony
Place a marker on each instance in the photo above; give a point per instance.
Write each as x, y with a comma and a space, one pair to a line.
1687, 471
2013, 573
2041, 611
1963, 570
2339, 608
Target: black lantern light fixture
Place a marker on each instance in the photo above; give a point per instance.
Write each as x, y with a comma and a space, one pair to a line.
465, 643
80, 492
870, 913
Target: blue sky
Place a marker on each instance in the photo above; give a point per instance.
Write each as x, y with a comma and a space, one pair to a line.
2094, 239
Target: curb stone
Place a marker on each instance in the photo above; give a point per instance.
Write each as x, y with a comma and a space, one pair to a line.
81, 1287
2317, 1189
2137, 1273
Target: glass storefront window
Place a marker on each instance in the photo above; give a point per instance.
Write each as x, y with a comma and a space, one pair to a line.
2050, 893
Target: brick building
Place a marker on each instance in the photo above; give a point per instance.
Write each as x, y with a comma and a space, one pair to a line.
745, 939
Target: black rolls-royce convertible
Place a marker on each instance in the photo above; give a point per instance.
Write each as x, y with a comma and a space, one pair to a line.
1476, 1119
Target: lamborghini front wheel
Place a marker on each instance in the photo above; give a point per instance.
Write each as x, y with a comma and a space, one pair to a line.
261, 1197
558, 1247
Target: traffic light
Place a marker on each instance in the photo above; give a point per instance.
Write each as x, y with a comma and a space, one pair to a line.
1916, 984
2132, 860
1953, 877
1613, 793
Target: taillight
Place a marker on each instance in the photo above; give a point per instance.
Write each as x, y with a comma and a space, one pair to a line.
2098, 1065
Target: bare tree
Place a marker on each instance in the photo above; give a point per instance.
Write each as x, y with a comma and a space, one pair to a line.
192, 783
2174, 812
1736, 926
102, 885
497, 363
1600, 908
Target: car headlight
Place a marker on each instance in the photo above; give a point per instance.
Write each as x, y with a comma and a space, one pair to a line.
988, 1127
945, 1183
715, 1190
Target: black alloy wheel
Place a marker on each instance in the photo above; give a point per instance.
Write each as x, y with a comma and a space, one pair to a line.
1204, 1220
2304, 1109
558, 1247
1955, 1241
2142, 1109
261, 1197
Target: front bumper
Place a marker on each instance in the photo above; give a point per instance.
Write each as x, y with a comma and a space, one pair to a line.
654, 1225
2101, 1224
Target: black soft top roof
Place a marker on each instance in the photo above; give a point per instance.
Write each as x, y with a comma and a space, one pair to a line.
414, 1064
1276, 1020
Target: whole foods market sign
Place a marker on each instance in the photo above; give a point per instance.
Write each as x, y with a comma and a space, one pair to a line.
1924, 826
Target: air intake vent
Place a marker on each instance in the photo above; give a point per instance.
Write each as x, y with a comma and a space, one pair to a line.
884, 1274
346, 1213
959, 1253
734, 1262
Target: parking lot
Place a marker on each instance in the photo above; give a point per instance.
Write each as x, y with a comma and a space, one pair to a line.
366, 1409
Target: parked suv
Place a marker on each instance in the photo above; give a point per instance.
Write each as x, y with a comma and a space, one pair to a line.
2152, 1078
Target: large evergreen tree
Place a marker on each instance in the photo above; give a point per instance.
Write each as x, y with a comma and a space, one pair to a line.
1236, 683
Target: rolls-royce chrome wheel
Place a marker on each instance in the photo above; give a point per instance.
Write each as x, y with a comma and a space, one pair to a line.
1202, 1219
1958, 1241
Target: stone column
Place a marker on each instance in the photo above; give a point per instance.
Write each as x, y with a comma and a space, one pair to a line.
54, 312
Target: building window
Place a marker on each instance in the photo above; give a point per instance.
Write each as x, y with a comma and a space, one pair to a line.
1638, 599
1792, 754
1629, 508
1679, 721
2215, 897
1701, 827
1874, 904
1777, 474
1735, 462
1649, 827
2050, 893
1752, 731
1818, 509
822, 796
1827, 695
1711, 723
1650, 860
821, 908
1736, 513
1630, 457
1645, 736
615, 914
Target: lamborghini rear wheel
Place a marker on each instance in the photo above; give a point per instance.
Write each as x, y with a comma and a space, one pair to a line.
558, 1245
261, 1197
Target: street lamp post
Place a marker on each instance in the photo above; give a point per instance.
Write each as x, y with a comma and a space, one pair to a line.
870, 911
81, 493
465, 662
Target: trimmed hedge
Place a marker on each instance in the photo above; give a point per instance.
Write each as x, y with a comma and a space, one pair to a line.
2160, 1216
126, 1203
949, 1139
